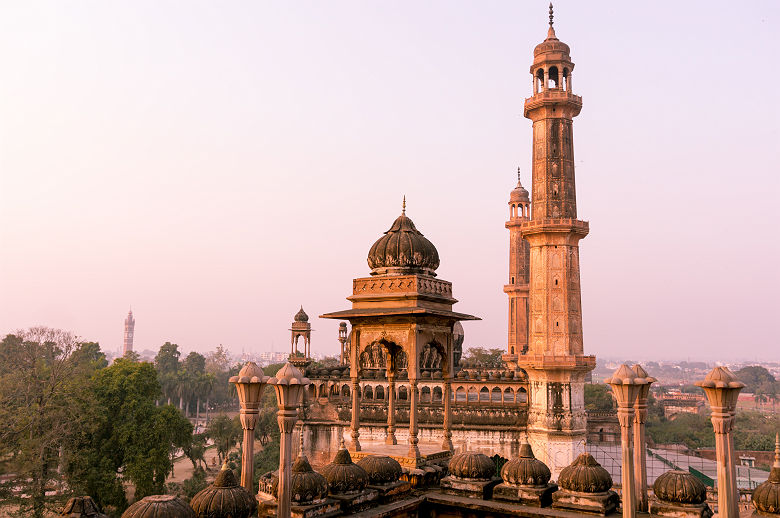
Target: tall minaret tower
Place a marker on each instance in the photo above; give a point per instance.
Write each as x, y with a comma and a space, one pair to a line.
517, 288
555, 362
129, 328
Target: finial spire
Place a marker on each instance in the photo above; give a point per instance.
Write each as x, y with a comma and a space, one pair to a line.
300, 450
341, 444
518, 175
403, 206
777, 451
551, 15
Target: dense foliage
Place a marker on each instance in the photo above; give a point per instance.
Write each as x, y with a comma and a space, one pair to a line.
598, 398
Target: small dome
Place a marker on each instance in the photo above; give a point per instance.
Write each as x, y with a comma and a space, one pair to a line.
472, 465
585, 475
381, 469
680, 487
82, 507
552, 45
519, 194
301, 316
306, 485
224, 498
403, 249
766, 497
160, 506
343, 475
525, 470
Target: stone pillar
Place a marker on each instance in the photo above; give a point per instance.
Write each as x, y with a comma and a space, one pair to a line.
447, 395
248, 422
249, 384
355, 413
414, 395
625, 386
287, 418
546, 83
390, 439
722, 389
640, 449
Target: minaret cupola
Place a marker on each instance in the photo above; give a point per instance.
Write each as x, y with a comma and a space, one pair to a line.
552, 65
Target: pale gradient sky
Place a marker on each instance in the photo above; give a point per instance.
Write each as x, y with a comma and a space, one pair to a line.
217, 164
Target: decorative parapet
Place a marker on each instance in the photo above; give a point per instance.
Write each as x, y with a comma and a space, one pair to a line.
401, 284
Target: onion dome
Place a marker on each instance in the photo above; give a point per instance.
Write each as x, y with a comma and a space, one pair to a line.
519, 193
525, 469
301, 316
224, 498
551, 45
306, 485
82, 507
343, 475
766, 497
403, 250
472, 466
585, 475
680, 487
159, 506
381, 469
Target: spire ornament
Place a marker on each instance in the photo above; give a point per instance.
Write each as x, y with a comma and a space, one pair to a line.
403, 206
551, 15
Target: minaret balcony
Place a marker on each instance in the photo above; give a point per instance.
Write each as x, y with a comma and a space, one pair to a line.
554, 96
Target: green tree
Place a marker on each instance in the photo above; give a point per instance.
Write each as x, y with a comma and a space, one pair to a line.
43, 374
225, 432
753, 377
490, 358
598, 398
122, 431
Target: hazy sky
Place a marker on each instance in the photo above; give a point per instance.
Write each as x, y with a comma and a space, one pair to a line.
217, 164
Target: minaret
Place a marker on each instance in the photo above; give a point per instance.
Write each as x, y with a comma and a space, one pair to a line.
129, 327
555, 362
517, 288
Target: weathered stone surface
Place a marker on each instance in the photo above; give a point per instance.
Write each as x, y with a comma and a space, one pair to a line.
159, 506
595, 503
482, 489
526, 495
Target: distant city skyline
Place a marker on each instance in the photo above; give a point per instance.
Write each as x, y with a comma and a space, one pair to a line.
203, 165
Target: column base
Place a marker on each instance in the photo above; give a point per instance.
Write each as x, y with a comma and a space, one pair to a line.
390, 439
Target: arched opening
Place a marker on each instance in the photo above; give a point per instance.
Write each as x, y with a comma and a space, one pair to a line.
566, 83
512, 351
460, 394
380, 392
553, 81
437, 397
495, 395
345, 391
312, 392
368, 392
522, 395
334, 391
539, 80
403, 393
323, 392
602, 435
509, 395
425, 395
484, 395
473, 395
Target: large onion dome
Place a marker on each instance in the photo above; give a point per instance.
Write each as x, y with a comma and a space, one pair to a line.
585, 475
159, 506
471, 465
525, 469
301, 316
402, 250
306, 485
343, 475
766, 497
224, 498
679, 487
82, 507
381, 469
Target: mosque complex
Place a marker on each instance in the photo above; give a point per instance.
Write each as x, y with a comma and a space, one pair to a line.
403, 427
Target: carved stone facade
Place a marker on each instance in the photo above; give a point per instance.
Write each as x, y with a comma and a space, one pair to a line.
519, 275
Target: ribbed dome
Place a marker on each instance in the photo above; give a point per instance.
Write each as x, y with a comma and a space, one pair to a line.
585, 475
472, 466
306, 485
82, 507
526, 470
301, 316
679, 487
381, 469
159, 506
403, 249
343, 475
224, 498
552, 45
766, 497
519, 194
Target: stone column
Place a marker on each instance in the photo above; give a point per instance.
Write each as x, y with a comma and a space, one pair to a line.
354, 376
722, 389
447, 394
390, 439
414, 395
286, 419
249, 384
625, 386
640, 450
248, 422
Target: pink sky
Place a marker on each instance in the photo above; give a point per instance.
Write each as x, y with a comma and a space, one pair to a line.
215, 165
